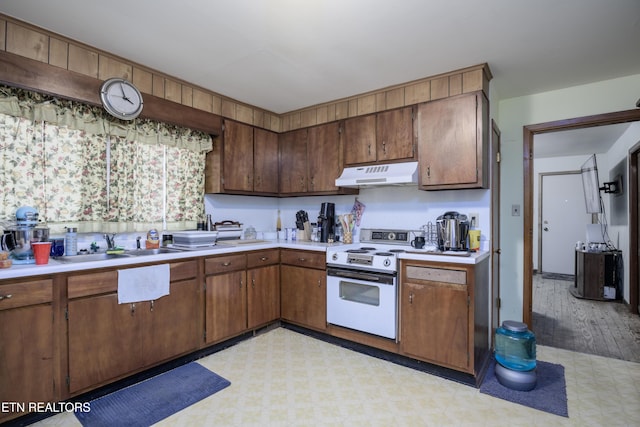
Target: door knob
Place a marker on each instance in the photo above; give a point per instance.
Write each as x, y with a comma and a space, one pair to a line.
546, 229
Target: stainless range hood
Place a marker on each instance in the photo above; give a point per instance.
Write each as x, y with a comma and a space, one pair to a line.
379, 175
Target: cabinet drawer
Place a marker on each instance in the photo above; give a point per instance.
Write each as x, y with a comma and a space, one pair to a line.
222, 264
261, 258
308, 259
92, 284
432, 274
183, 270
15, 295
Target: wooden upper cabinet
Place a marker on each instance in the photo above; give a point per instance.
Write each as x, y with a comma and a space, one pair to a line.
395, 134
381, 137
265, 161
453, 142
238, 156
359, 140
323, 157
245, 163
293, 161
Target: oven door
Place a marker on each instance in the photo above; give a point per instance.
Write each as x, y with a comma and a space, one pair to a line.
361, 300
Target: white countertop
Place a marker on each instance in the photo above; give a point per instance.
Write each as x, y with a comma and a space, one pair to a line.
460, 258
54, 266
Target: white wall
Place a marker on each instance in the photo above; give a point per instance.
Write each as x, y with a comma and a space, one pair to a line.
515, 113
403, 207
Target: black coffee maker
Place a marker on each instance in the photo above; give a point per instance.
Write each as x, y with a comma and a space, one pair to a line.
326, 220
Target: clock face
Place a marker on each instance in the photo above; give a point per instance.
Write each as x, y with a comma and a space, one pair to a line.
121, 99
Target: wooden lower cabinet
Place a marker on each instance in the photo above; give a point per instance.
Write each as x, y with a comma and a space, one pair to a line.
242, 293
26, 344
443, 313
108, 340
304, 288
226, 297
263, 287
226, 305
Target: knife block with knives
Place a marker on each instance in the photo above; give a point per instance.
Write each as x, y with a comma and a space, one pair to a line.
303, 226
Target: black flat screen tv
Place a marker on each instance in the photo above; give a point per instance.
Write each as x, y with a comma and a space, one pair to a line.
591, 187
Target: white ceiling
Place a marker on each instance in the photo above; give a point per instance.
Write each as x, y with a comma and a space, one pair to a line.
593, 140
282, 55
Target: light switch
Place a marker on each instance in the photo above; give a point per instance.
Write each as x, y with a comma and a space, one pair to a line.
515, 210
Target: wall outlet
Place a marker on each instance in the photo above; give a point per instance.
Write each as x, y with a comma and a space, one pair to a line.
474, 220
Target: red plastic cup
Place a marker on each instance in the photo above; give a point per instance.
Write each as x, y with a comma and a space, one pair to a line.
41, 252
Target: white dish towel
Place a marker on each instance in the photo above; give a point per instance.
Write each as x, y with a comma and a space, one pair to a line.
143, 283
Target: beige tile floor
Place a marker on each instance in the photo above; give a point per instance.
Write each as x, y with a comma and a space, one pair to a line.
283, 378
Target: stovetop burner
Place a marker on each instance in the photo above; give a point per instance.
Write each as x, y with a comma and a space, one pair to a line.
396, 251
383, 254
357, 251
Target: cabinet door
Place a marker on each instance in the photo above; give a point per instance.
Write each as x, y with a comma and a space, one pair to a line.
323, 157
263, 295
304, 296
265, 161
359, 140
452, 142
171, 328
293, 161
104, 340
238, 156
395, 134
435, 323
26, 355
226, 307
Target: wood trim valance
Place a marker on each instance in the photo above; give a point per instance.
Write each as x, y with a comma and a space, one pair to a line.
34, 75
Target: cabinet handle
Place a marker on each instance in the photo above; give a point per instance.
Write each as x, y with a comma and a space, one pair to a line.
411, 298
226, 264
264, 258
152, 301
241, 283
133, 309
5, 297
429, 171
253, 282
369, 149
319, 283
384, 147
302, 259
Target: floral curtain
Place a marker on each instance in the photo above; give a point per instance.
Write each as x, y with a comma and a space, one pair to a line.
80, 167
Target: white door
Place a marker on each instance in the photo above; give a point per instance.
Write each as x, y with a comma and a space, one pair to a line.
564, 221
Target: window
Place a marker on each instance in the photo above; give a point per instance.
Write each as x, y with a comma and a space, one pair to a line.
79, 167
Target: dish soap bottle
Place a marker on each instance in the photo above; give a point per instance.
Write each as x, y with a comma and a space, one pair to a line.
153, 239
278, 222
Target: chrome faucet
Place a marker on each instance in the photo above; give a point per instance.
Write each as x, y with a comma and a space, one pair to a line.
111, 241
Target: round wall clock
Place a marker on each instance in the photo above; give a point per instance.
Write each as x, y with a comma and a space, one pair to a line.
121, 98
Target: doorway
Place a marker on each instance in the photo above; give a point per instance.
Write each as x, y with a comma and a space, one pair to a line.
634, 227
528, 144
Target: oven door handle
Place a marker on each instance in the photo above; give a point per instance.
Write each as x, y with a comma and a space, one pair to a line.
353, 275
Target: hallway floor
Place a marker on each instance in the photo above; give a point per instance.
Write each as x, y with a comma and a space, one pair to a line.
283, 378
603, 328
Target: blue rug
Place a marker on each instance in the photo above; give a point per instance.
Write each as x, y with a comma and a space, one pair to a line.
550, 394
150, 401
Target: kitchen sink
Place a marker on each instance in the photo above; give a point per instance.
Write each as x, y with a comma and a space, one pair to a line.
89, 257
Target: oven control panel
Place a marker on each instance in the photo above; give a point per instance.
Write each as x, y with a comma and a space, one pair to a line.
385, 236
